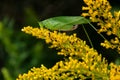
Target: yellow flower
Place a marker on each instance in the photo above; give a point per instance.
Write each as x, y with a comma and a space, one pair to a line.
82, 62
114, 72
82, 59
100, 11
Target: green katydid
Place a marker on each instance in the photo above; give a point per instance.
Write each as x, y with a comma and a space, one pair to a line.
66, 23
63, 23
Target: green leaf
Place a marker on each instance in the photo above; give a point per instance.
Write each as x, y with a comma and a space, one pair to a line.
63, 23
6, 74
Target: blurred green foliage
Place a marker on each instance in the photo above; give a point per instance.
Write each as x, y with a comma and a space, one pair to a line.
19, 51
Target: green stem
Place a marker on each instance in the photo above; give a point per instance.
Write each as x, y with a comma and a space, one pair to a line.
87, 36
96, 30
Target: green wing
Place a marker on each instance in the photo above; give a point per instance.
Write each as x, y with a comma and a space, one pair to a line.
62, 23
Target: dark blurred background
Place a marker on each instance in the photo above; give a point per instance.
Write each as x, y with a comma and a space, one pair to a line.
42, 9
19, 51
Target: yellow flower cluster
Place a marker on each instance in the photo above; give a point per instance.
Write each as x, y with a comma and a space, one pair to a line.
114, 72
82, 63
67, 44
100, 11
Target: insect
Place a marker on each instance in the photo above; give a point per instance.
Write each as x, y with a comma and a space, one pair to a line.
67, 23
63, 23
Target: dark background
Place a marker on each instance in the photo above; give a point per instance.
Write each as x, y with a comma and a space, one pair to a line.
41, 8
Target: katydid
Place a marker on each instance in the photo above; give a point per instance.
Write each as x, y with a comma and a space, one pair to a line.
63, 23
67, 23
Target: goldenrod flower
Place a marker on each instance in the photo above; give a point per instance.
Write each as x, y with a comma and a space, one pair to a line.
114, 72
100, 11
83, 62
